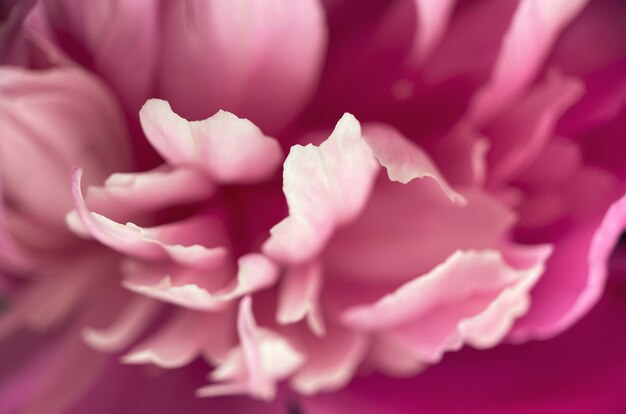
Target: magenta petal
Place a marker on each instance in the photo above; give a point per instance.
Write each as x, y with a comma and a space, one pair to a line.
432, 19
581, 258
533, 31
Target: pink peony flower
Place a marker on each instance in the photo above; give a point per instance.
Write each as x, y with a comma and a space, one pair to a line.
312, 206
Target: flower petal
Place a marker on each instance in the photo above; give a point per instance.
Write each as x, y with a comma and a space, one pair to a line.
174, 345
519, 135
533, 31
129, 324
263, 358
125, 194
259, 59
581, 257
299, 295
155, 243
201, 289
331, 361
229, 149
404, 160
117, 39
325, 187
432, 19
473, 297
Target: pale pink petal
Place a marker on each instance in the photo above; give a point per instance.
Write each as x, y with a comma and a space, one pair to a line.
404, 160
175, 344
325, 187
227, 148
472, 298
263, 358
432, 20
130, 323
331, 361
520, 134
259, 59
299, 295
125, 194
533, 31
175, 241
208, 289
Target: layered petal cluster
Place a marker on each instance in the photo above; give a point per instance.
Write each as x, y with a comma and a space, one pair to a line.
268, 206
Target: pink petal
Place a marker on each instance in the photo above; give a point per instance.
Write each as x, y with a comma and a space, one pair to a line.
54, 119
119, 38
472, 298
535, 27
404, 160
520, 134
325, 187
263, 358
331, 361
175, 344
229, 149
432, 20
257, 59
125, 194
201, 289
67, 375
392, 359
299, 295
130, 323
582, 258
155, 243
402, 219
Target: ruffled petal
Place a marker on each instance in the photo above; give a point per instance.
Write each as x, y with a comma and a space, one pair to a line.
325, 187
263, 358
403, 160
177, 242
473, 298
227, 148
201, 289
533, 31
